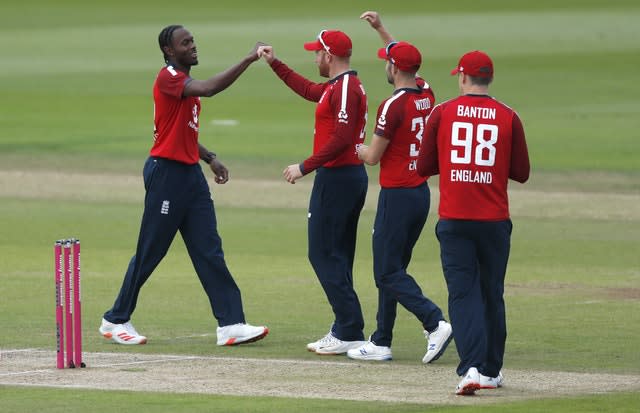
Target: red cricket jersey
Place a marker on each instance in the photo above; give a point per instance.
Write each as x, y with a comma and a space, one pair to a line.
341, 116
176, 118
401, 120
476, 144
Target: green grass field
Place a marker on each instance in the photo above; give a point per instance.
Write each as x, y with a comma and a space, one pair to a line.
76, 107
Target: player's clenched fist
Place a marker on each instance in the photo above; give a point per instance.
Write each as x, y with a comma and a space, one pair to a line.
220, 171
267, 53
256, 53
292, 173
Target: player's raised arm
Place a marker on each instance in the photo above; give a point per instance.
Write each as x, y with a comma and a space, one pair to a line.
307, 89
223, 80
373, 18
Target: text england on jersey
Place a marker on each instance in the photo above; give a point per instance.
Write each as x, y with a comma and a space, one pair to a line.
465, 175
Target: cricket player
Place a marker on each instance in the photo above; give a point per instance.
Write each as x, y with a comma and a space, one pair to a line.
476, 144
403, 205
178, 197
340, 183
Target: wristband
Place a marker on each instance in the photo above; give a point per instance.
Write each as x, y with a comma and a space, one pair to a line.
210, 157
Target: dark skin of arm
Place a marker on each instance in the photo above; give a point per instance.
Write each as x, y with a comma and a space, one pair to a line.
183, 54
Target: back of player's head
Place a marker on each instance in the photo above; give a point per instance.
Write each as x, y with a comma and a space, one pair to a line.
480, 81
165, 37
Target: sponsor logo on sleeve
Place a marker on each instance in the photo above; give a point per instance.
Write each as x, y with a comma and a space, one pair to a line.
343, 117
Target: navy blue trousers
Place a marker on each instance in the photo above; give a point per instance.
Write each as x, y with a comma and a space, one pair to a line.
474, 258
178, 199
400, 217
334, 210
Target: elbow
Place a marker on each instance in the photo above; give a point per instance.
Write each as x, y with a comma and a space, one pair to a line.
520, 174
521, 178
425, 171
213, 89
209, 92
421, 169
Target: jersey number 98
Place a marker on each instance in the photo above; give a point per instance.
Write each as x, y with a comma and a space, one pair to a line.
462, 137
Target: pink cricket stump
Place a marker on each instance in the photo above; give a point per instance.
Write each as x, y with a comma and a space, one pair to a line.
57, 251
68, 309
77, 317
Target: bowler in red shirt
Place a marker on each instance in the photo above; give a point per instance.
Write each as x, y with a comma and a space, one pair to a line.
178, 197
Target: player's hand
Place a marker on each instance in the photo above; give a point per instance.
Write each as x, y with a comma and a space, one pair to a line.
292, 173
256, 53
373, 18
267, 53
361, 149
220, 171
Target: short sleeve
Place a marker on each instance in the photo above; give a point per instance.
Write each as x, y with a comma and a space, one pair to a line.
172, 82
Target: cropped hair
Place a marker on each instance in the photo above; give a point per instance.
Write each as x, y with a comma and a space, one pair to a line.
165, 37
480, 81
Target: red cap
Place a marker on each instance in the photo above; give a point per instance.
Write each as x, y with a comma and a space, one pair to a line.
334, 42
403, 55
476, 63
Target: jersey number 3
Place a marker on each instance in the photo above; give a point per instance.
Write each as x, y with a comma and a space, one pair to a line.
462, 137
417, 126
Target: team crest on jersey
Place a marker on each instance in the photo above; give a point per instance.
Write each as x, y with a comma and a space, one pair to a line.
343, 117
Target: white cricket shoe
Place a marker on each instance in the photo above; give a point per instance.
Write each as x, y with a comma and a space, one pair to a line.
470, 383
313, 346
240, 333
121, 333
487, 382
437, 341
330, 345
370, 351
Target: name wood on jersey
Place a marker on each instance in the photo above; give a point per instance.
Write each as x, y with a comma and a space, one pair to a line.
465, 175
422, 104
476, 112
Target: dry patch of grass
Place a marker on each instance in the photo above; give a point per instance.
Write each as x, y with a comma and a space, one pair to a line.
269, 193
549, 289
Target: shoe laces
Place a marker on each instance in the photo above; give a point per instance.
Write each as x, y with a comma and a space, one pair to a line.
435, 331
329, 338
369, 347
